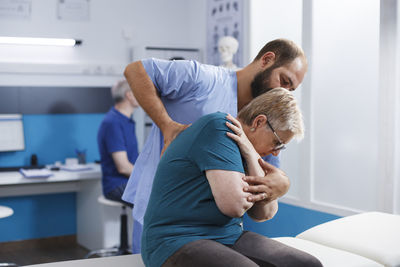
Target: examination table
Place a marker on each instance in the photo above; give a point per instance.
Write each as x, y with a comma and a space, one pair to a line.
370, 239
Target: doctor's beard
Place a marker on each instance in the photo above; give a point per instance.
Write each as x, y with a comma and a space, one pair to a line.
261, 82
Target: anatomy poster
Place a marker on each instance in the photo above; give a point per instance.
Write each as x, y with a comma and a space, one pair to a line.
224, 18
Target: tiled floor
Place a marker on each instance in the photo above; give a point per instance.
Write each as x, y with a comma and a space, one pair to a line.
37, 251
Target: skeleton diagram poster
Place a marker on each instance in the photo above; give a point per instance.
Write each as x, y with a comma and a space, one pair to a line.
224, 18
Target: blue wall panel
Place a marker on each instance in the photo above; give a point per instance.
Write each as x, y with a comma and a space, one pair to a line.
289, 221
55, 137
55, 215
52, 138
39, 216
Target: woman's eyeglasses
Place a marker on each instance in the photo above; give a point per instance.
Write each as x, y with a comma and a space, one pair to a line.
280, 145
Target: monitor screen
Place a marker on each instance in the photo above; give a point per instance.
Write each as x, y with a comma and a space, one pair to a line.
11, 132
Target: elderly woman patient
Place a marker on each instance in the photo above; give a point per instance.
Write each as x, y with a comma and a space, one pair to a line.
200, 192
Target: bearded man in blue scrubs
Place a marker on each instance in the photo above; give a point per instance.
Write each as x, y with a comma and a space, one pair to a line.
177, 93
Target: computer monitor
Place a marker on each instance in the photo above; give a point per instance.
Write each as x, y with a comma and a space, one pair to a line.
11, 132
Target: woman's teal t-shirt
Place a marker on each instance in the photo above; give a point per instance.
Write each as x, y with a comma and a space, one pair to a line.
182, 208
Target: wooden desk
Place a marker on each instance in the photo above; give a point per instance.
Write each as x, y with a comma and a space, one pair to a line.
87, 184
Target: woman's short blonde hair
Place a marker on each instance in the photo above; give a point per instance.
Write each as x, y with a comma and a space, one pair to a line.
281, 109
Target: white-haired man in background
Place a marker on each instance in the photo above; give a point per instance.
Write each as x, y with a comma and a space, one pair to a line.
117, 142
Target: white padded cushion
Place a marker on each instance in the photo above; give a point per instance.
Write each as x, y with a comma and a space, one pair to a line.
329, 257
373, 235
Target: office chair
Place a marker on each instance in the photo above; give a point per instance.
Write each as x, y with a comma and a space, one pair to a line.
123, 248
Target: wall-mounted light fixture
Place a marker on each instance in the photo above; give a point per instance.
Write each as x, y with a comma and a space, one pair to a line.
39, 41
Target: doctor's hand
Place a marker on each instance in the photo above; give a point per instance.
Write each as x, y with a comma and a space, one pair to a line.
273, 185
171, 132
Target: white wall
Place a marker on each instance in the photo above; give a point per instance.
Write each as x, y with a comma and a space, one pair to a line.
338, 167
177, 23
345, 98
397, 155
115, 34
269, 20
113, 29
350, 99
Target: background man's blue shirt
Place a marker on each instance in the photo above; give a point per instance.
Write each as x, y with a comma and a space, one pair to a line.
116, 133
181, 207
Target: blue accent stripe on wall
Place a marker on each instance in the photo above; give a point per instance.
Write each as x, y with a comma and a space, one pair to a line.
55, 137
55, 215
289, 221
39, 216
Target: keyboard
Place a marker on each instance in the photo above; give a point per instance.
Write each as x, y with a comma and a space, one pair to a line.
16, 169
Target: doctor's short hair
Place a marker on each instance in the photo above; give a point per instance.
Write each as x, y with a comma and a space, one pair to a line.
281, 109
285, 51
119, 90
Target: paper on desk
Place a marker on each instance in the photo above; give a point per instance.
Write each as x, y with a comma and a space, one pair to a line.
36, 173
75, 168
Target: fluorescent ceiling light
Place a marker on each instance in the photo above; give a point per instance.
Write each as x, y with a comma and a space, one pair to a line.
39, 41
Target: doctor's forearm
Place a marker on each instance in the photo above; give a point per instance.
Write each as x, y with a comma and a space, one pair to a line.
253, 167
146, 94
262, 211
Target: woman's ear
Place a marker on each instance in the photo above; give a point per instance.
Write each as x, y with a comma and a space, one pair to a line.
259, 121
